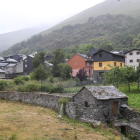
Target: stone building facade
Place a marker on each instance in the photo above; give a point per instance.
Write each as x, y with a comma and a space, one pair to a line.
96, 104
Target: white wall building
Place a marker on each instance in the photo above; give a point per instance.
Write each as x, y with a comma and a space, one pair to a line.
132, 58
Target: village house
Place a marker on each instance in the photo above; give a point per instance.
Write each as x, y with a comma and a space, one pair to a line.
27, 64
2, 73
79, 61
132, 58
102, 59
97, 103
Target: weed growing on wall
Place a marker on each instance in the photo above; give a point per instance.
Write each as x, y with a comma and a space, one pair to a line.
63, 101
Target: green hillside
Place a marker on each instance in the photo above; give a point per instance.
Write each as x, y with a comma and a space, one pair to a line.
113, 7
119, 31
9, 39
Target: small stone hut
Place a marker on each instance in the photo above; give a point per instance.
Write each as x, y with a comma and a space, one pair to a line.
96, 103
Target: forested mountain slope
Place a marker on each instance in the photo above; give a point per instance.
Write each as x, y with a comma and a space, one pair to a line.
113, 7
117, 30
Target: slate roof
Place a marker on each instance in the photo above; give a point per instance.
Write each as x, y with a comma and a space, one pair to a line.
2, 71
105, 92
10, 65
131, 51
1, 59
86, 57
118, 54
31, 56
11, 60
3, 64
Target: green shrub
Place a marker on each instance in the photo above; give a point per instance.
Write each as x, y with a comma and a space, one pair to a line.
63, 100
3, 85
29, 88
46, 88
24, 78
56, 89
51, 79
32, 76
18, 81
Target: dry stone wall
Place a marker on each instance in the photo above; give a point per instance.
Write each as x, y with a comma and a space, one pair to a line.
42, 99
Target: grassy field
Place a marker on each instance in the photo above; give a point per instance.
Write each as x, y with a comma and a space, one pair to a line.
134, 96
20, 121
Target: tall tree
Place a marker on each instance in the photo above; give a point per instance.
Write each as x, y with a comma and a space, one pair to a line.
128, 73
59, 57
38, 59
137, 77
40, 72
65, 70
114, 76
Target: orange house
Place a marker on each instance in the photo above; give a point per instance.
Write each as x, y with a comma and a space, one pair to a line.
79, 61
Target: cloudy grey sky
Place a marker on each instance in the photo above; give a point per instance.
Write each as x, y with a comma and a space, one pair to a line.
19, 14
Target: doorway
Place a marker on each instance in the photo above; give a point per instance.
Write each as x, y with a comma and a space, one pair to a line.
115, 108
123, 130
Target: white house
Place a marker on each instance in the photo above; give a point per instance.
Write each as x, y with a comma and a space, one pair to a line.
132, 58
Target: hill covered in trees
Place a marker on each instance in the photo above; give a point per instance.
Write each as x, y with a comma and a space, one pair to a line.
118, 31
113, 7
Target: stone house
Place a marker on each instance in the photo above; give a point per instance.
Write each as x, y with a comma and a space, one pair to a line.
96, 103
2, 73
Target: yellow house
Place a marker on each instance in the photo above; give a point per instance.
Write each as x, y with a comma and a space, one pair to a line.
102, 59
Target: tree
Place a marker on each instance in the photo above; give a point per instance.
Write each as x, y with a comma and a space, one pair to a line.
114, 76
128, 73
25, 51
38, 59
82, 74
65, 70
87, 48
59, 57
137, 76
40, 72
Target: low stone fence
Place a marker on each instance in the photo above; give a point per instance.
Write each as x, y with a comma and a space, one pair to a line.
133, 132
42, 99
130, 113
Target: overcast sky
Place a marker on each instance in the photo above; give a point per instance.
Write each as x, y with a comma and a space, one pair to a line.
19, 14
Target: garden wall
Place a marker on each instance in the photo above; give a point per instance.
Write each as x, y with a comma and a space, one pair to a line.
42, 99
130, 113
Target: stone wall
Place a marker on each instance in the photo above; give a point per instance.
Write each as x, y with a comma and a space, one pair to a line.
42, 99
133, 133
106, 108
130, 113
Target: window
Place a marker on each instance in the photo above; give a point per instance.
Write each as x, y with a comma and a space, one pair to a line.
100, 55
138, 53
25, 65
85, 104
131, 61
88, 64
101, 74
26, 60
92, 64
120, 64
114, 63
75, 63
100, 64
138, 60
130, 53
